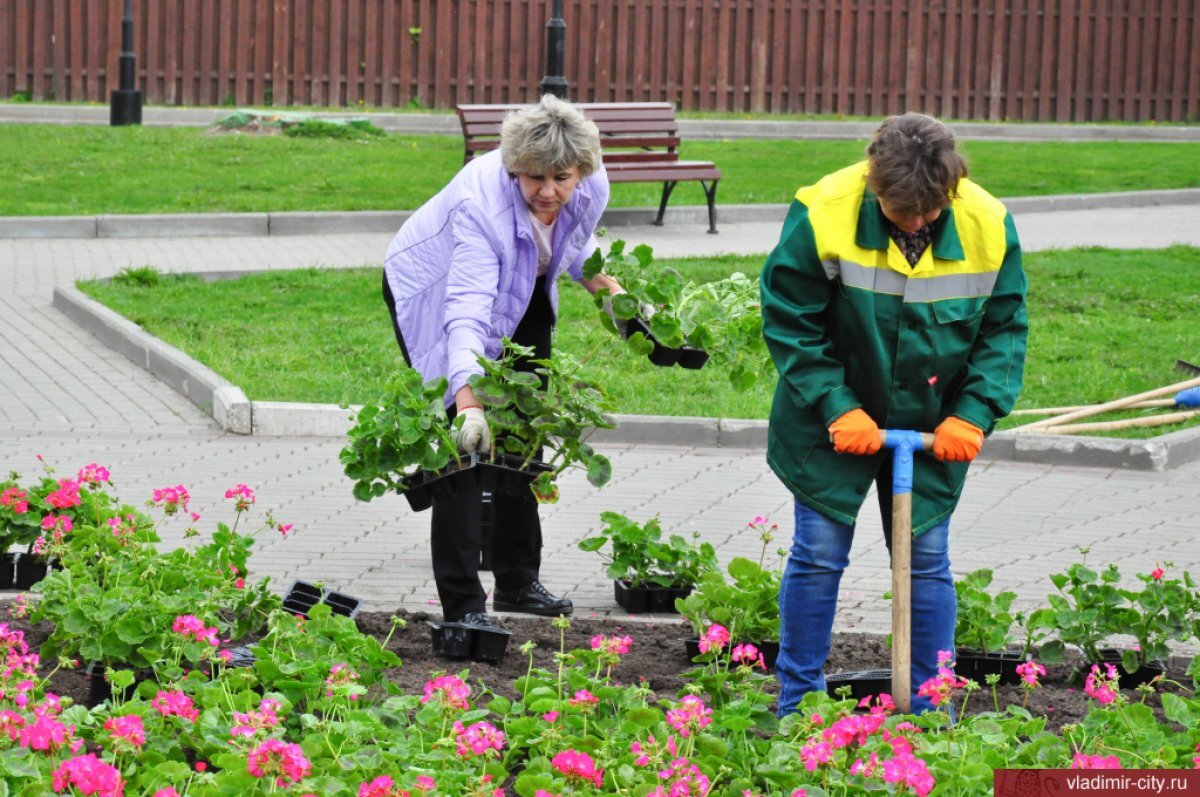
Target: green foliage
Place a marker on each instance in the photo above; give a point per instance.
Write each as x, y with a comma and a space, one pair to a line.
1163, 610
400, 432
348, 130
1083, 610
984, 621
142, 276
722, 317
639, 554
550, 407
747, 603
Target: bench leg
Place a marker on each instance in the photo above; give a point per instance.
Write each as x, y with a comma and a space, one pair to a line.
711, 193
668, 187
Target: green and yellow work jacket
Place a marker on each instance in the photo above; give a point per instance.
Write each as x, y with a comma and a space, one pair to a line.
849, 324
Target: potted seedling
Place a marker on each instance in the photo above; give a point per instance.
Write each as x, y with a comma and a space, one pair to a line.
1162, 611
983, 631
649, 573
540, 422
19, 524
401, 442
746, 604
673, 330
1087, 609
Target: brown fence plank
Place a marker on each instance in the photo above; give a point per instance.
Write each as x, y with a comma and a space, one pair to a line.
1064, 60
22, 56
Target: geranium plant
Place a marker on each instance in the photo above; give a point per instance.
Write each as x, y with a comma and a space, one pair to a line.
747, 603
549, 411
405, 430
984, 621
1163, 610
722, 317
1083, 611
639, 554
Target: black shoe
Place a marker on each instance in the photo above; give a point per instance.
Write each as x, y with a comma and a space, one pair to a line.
533, 599
478, 619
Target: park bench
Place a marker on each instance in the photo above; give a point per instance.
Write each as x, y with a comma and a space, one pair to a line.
639, 141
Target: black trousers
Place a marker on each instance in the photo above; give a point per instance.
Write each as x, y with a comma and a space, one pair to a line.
456, 528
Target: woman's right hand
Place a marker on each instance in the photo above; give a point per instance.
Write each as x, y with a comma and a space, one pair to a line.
473, 433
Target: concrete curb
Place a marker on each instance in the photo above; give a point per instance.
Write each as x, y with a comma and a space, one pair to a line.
184, 225
205, 388
233, 412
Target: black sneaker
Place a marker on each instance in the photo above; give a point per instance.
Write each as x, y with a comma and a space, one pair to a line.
478, 619
533, 599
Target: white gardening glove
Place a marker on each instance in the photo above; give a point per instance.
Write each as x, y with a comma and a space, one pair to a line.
473, 434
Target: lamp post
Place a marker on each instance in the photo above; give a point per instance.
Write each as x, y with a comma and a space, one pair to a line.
125, 106
555, 82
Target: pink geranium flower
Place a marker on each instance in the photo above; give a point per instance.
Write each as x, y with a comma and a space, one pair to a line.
613, 644
93, 474
749, 655
175, 703
715, 636
449, 690
126, 730
690, 716
89, 775
172, 499
1157, 574
277, 759
1030, 672
1083, 761
242, 496
577, 767
66, 496
1102, 687
15, 498
382, 786
583, 699
477, 739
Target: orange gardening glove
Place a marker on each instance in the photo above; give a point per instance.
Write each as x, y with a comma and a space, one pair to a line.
855, 433
956, 440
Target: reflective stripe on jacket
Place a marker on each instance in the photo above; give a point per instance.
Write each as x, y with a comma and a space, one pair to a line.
850, 324
462, 268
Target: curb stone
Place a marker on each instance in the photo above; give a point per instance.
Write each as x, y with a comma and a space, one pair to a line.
185, 225
227, 404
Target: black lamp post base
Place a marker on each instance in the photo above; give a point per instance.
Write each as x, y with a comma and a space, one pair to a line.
126, 107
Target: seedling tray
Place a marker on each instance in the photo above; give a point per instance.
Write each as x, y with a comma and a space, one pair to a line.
303, 596
459, 641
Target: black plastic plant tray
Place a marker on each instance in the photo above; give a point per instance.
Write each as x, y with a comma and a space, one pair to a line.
303, 596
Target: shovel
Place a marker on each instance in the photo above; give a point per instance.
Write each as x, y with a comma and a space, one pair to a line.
903, 444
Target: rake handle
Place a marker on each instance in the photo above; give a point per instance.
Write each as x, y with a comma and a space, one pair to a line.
1116, 404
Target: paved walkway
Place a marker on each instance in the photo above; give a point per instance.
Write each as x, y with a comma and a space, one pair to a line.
67, 397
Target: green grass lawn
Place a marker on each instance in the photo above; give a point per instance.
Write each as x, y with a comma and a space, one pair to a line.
1104, 324
82, 170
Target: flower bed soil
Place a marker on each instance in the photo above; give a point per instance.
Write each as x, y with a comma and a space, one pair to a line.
657, 657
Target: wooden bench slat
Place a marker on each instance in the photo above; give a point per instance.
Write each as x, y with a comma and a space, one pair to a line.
638, 142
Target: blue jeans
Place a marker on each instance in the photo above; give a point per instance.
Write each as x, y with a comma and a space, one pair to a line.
808, 600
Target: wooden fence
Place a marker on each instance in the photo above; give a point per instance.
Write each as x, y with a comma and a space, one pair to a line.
1061, 60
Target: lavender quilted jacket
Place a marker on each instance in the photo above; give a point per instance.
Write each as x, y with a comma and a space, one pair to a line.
462, 269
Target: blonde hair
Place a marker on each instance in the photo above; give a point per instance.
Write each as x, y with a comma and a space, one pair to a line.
549, 137
912, 164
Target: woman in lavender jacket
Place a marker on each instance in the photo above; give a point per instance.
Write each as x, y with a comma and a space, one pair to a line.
476, 263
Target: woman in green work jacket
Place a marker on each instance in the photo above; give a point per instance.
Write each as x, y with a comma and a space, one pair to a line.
894, 299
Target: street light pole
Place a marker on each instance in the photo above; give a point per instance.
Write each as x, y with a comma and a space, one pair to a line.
126, 101
555, 82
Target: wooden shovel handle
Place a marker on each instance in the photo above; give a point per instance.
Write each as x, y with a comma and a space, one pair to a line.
1128, 423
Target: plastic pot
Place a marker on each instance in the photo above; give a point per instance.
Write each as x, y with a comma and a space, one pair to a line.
971, 663
639, 600
692, 358
8, 567
862, 683
477, 643
662, 355
303, 596
1127, 680
29, 570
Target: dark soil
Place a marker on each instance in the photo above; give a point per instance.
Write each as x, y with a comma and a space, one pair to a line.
657, 656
